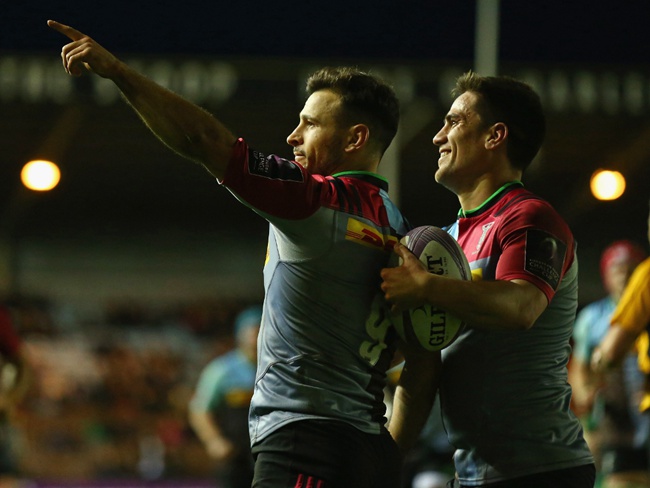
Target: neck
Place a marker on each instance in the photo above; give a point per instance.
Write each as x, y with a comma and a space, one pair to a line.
361, 160
482, 188
474, 199
366, 166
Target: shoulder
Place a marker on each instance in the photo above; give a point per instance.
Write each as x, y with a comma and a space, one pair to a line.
220, 364
598, 310
644, 267
523, 210
524, 202
640, 279
598, 306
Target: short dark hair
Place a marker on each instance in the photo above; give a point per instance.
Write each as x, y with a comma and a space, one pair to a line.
365, 98
513, 102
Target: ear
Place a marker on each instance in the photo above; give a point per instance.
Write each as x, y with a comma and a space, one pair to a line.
358, 137
497, 134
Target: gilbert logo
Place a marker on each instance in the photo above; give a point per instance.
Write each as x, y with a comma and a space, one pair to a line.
369, 236
485, 228
437, 323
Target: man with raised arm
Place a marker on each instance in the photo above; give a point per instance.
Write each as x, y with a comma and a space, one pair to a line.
325, 343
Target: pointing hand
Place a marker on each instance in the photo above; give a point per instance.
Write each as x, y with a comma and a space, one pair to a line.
84, 54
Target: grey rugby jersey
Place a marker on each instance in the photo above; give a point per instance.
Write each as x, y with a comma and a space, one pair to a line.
325, 342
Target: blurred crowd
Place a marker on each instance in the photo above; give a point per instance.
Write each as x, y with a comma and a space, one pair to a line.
111, 391
109, 395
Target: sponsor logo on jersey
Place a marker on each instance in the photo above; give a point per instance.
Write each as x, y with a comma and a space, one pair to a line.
260, 164
477, 274
369, 236
545, 256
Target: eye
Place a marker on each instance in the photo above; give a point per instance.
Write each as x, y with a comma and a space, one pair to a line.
451, 121
306, 122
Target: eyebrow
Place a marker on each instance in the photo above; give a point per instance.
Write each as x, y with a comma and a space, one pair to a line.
452, 116
306, 116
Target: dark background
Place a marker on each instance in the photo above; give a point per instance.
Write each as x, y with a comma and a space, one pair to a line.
134, 266
118, 180
552, 31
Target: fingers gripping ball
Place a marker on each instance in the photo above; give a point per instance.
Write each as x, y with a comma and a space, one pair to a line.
429, 327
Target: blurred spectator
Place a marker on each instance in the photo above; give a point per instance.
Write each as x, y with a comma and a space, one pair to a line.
32, 313
219, 408
630, 324
15, 375
607, 406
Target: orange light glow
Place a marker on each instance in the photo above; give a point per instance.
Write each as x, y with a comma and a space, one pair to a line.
40, 175
607, 185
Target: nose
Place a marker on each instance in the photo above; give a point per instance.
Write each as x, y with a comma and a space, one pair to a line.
293, 138
440, 138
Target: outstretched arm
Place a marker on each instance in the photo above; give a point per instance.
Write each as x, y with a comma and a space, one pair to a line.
184, 127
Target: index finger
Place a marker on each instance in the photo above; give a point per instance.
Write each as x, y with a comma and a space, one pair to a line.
66, 30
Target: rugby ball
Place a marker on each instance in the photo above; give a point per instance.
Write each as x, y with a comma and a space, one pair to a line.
430, 327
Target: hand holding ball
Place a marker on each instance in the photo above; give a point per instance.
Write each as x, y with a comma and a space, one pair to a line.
429, 327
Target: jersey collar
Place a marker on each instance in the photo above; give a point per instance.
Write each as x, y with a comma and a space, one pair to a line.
491, 200
368, 176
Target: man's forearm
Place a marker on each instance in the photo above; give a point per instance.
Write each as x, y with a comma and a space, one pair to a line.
184, 127
414, 398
